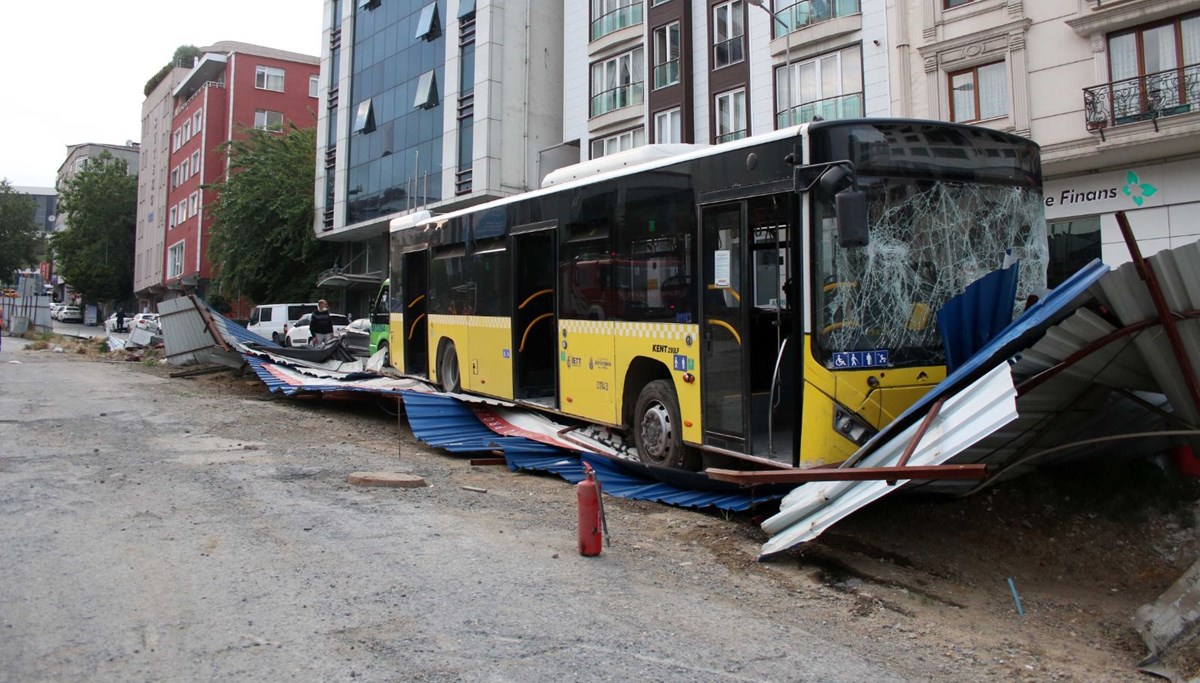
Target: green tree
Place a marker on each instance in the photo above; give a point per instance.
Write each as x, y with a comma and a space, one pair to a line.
184, 56
95, 252
262, 243
20, 240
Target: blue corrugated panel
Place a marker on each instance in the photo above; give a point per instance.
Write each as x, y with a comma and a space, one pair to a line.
235, 333
973, 318
446, 422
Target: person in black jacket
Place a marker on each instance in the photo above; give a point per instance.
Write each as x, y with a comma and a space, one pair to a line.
320, 325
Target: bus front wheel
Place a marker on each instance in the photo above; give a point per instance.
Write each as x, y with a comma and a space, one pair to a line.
448, 377
657, 429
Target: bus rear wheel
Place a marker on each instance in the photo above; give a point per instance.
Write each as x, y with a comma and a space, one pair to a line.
448, 377
657, 429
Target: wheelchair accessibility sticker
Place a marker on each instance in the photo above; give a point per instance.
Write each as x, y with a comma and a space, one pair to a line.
855, 360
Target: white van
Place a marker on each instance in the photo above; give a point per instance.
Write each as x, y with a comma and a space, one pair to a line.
274, 320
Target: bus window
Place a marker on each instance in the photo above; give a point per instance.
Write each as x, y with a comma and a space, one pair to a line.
490, 274
450, 290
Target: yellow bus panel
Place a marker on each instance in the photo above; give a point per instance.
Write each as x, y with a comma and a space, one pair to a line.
676, 347
587, 370
454, 328
396, 336
488, 369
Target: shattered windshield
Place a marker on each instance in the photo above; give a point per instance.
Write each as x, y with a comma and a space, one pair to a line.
929, 239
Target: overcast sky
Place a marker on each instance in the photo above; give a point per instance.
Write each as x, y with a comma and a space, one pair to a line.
75, 69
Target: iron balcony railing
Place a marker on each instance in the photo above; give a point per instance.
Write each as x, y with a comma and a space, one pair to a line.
848, 106
622, 17
616, 98
1152, 96
666, 74
809, 12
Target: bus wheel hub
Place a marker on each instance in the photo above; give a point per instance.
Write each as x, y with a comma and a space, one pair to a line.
656, 430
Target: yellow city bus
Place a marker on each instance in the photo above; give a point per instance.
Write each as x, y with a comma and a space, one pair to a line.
768, 302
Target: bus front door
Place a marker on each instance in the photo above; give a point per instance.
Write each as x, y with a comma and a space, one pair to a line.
534, 321
746, 361
723, 331
416, 305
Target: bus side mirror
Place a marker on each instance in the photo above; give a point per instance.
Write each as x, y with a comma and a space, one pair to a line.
852, 218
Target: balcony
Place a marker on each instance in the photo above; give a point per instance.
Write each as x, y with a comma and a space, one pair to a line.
849, 106
616, 20
808, 12
617, 98
728, 52
1142, 98
666, 74
732, 135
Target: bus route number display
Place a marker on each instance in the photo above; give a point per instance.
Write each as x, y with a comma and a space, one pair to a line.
853, 360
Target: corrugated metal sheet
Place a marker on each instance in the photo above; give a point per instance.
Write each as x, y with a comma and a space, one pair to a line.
1078, 403
445, 422
185, 337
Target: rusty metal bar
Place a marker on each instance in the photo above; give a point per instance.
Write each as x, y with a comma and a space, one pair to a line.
1164, 313
800, 476
209, 325
912, 445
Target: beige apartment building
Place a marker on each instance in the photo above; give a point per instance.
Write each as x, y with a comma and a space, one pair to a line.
1109, 88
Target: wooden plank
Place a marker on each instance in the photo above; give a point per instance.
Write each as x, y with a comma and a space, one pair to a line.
800, 476
488, 461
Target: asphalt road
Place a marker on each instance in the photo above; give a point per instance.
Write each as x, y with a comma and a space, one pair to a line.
158, 529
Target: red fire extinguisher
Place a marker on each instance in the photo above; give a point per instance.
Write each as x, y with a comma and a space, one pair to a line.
591, 513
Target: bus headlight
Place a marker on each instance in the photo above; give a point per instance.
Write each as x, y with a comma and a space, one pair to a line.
851, 426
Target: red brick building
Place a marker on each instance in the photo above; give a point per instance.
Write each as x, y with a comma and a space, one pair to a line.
232, 88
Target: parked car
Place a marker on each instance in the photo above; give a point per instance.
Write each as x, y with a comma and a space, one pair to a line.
273, 320
299, 335
54, 309
148, 322
110, 323
357, 336
70, 314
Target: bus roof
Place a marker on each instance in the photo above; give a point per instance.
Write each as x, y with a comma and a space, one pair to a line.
697, 152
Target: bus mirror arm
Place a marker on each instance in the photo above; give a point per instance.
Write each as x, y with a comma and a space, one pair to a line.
837, 178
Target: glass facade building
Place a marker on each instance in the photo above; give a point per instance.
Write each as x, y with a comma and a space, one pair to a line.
397, 72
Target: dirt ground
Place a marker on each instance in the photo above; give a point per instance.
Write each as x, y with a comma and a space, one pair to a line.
920, 583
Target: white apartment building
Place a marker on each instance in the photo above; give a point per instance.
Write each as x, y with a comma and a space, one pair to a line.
157, 111
428, 104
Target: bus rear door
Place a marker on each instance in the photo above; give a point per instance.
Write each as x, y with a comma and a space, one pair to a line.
535, 263
416, 304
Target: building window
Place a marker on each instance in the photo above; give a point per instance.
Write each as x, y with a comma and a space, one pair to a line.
1073, 244
666, 55
174, 177
618, 143
427, 91
193, 203
368, 4
175, 260
268, 78
178, 139
187, 130
829, 87
182, 210
185, 170
656, 3
195, 162
617, 82
197, 120
951, 4
171, 219
364, 118
428, 25
731, 115
1155, 69
268, 120
979, 93
613, 15
668, 127
727, 34
313, 83
793, 16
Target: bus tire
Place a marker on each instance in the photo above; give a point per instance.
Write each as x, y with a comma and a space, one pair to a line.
657, 429
448, 377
